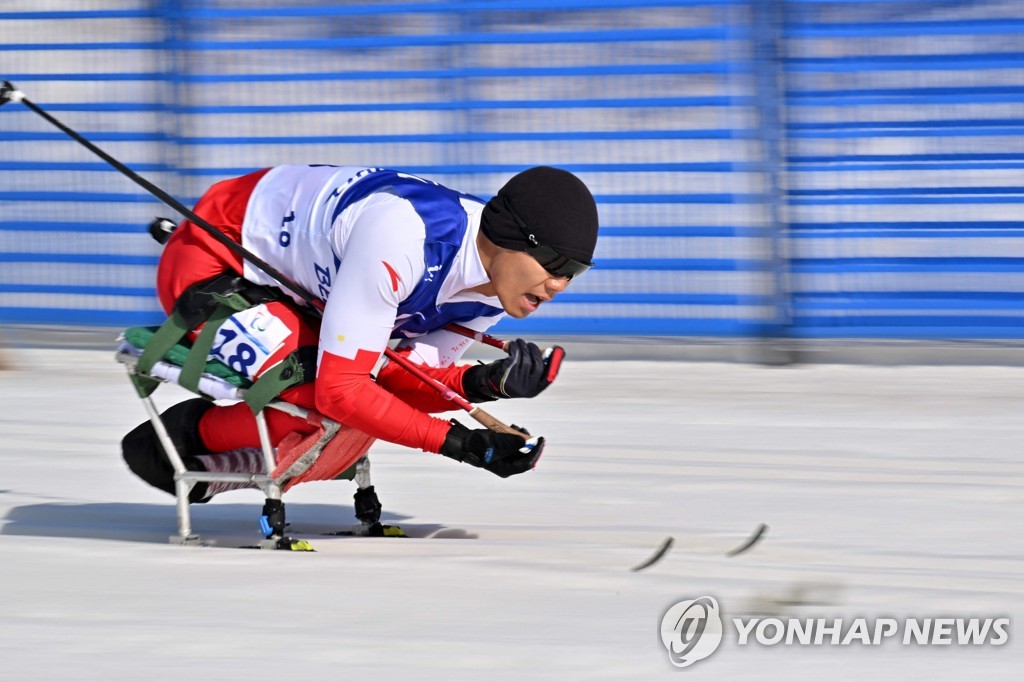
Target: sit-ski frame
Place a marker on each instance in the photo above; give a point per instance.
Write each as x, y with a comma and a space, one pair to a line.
272, 522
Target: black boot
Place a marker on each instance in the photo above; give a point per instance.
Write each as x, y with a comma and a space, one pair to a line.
145, 455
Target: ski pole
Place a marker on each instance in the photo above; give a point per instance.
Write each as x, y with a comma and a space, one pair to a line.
474, 411
8, 93
552, 356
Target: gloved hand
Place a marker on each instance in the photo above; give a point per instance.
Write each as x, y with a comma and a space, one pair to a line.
503, 454
523, 374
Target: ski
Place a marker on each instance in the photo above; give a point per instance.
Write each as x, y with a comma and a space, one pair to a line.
375, 530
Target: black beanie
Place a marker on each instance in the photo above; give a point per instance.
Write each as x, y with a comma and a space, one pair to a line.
556, 207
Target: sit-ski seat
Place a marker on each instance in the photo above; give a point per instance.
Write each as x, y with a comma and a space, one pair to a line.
175, 362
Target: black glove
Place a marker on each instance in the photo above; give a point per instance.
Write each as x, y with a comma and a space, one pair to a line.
523, 374
504, 454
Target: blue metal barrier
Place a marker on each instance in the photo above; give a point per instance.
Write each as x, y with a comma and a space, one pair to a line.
762, 167
905, 135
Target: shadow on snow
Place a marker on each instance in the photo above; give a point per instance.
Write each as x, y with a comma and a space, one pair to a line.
154, 523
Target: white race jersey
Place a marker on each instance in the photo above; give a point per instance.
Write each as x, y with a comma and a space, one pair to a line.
391, 255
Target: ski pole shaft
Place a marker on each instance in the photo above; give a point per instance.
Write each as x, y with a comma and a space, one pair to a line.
8, 93
552, 356
476, 413
486, 339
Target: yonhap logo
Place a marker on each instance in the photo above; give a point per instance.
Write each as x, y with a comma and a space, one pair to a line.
691, 630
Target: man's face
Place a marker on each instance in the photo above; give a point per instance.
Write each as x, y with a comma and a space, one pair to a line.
521, 283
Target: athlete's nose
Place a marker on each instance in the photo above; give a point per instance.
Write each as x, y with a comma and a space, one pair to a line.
556, 285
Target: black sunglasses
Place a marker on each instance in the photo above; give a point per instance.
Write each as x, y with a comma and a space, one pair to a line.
555, 263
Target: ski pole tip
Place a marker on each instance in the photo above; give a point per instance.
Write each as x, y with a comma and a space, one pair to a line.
658, 554
9, 93
751, 541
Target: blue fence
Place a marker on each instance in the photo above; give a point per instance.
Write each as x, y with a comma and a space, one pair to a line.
763, 167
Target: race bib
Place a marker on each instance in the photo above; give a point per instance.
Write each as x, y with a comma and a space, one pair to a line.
248, 338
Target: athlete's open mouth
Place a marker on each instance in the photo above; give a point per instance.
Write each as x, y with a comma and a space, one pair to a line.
534, 301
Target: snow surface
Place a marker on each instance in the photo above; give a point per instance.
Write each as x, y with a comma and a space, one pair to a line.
888, 491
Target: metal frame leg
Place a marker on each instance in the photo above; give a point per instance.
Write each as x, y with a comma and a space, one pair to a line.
272, 522
362, 477
367, 504
182, 485
271, 488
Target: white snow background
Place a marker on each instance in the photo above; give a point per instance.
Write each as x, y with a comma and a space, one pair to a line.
889, 492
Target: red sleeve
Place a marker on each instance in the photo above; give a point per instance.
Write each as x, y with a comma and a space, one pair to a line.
346, 393
414, 392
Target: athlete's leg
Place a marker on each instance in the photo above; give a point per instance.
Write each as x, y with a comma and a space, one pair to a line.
145, 455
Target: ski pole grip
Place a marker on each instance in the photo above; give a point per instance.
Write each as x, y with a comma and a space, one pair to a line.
495, 424
553, 357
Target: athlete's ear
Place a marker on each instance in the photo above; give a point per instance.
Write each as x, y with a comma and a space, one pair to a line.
487, 250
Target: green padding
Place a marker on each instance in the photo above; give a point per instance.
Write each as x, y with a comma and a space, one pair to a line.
177, 355
144, 386
198, 357
288, 372
172, 331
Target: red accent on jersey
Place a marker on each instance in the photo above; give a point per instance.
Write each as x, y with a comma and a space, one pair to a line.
414, 392
346, 393
395, 279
